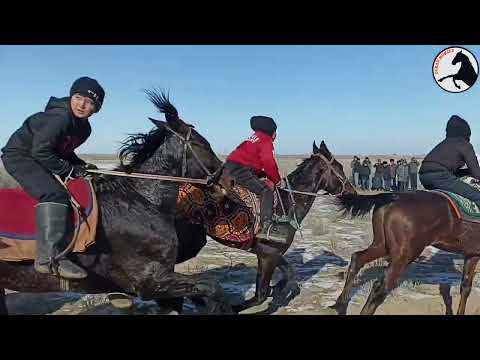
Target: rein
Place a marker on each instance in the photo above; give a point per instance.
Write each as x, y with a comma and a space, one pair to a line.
329, 169
150, 176
187, 144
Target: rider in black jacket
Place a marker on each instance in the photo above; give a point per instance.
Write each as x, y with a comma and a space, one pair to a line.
42, 146
441, 168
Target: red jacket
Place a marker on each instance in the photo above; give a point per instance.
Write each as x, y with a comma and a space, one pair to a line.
257, 153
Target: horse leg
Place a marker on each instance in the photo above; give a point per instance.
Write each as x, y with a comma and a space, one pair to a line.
3, 305
467, 279
268, 259
288, 277
455, 83
376, 250
287, 288
174, 287
446, 77
357, 262
381, 288
155, 281
447, 298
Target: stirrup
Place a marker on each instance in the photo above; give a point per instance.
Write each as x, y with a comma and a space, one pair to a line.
286, 220
75, 272
42, 268
266, 234
49, 266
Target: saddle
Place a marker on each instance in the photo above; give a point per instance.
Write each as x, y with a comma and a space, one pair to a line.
233, 218
464, 208
17, 221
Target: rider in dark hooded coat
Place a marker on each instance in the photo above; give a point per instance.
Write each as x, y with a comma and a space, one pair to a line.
44, 146
441, 168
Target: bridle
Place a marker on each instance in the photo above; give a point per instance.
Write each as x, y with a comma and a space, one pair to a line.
187, 144
292, 211
330, 169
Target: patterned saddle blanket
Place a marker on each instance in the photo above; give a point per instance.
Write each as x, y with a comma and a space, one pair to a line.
233, 223
464, 208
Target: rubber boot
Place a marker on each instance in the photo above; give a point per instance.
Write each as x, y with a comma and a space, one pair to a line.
52, 230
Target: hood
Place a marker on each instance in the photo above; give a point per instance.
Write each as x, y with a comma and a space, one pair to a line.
58, 104
458, 127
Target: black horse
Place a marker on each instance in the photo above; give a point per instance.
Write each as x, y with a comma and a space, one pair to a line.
466, 73
137, 245
318, 172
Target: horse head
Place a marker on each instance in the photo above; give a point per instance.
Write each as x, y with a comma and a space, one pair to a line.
327, 172
174, 147
460, 57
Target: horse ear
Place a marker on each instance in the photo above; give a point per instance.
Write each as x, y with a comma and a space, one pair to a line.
157, 123
323, 148
177, 124
316, 150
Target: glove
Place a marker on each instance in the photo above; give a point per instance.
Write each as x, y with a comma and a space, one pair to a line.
79, 171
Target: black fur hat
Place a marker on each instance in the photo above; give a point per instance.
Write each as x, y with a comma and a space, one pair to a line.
264, 124
90, 88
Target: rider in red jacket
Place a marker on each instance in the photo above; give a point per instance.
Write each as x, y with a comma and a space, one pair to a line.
255, 158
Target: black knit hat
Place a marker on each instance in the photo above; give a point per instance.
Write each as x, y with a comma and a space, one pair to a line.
90, 88
457, 127
264, 124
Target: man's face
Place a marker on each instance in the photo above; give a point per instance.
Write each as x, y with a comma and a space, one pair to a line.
82, 107
274, 136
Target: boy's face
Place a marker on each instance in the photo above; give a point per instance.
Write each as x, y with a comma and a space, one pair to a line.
274, 136
82, 107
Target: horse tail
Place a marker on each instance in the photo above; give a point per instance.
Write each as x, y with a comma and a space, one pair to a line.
360, 205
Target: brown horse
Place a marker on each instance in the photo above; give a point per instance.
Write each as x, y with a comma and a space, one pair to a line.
403, 225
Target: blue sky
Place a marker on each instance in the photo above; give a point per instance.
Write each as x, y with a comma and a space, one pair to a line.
359, 99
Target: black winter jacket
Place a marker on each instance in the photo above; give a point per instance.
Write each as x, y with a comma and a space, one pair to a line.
450, 155
50, 137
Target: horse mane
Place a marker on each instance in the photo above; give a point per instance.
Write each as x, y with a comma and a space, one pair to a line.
137, 148
301, 167
162, 103
306, 161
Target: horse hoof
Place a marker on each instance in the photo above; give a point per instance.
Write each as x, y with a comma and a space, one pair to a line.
120, 301
339, 308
